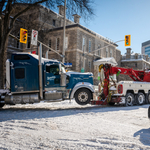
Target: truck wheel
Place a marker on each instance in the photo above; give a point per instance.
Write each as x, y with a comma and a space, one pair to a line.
148, 98
129, 99
149, 112
140, 98
83, 96
111, 103
1, 105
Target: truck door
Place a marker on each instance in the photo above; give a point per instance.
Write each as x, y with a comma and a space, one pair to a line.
52, 76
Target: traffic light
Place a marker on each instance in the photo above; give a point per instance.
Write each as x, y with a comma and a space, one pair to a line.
127, 40
23, 35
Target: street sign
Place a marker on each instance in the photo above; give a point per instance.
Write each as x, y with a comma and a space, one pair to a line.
82, 70
68, 64
34, 37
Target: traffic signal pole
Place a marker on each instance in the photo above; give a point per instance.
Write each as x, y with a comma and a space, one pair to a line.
40, 71
107, 46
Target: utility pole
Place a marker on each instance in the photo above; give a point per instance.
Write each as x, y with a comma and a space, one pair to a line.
40, 71
64, 36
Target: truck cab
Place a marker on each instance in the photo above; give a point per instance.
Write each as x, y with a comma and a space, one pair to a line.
22, 80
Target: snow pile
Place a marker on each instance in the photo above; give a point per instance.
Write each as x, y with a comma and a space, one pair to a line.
65, 125
109, 60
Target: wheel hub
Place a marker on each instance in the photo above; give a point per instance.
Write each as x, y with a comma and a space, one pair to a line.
83, 96
129, 99
141, 99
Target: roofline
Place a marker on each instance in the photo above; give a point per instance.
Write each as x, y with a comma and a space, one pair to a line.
84, 28
135, 60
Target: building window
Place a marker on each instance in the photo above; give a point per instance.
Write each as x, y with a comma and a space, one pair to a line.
54, 22
89, 46
99, 51
111, 55
147, 50
83, 44
107, 52
57, 43
18, 43
89, 65
49, 44
28, 42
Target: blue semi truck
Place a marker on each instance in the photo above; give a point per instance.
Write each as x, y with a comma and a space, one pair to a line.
23, 82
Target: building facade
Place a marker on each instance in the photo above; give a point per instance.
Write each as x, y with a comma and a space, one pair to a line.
146, 48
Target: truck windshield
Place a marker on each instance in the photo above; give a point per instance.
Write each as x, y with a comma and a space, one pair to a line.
63, 68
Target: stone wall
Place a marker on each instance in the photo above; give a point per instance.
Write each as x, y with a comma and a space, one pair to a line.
118, 57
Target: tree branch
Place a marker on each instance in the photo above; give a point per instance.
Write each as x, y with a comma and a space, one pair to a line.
1, 6
23, 11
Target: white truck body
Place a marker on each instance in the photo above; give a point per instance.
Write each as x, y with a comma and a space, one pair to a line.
140, 91
135, 86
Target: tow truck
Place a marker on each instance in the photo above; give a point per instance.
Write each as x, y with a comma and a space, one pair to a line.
127, 92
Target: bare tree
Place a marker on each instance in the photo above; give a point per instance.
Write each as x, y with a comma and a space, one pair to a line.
9, 12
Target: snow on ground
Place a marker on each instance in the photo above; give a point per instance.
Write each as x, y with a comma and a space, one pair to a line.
65, 125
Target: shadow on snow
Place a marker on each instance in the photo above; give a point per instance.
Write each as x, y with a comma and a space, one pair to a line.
144, 136
15, 113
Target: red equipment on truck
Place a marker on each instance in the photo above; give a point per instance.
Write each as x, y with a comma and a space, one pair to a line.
138, 77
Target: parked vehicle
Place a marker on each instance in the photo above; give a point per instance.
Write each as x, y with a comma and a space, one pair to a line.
23, 82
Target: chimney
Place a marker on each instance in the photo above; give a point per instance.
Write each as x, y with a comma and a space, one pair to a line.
128, 54
61, 9
77, 18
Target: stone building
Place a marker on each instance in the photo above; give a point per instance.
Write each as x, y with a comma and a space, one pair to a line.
135, 61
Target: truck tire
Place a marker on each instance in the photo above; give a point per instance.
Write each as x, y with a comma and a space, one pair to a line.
148, 98
1, 105
129, 99
83, 96
111, 103
149, 112
140, 98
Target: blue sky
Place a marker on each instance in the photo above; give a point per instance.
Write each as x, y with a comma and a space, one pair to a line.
116, 18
